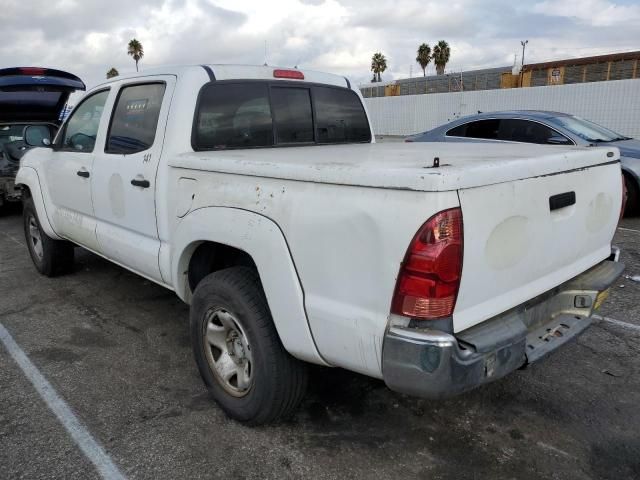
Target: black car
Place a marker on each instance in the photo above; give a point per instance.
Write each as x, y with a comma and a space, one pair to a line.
29, 96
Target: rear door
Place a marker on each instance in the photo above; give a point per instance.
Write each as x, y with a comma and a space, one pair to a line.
525, 237
124, 184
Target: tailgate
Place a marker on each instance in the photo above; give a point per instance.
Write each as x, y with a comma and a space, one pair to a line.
517, 245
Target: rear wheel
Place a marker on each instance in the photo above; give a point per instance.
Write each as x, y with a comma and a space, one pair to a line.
50, 257
633, 197
238, 351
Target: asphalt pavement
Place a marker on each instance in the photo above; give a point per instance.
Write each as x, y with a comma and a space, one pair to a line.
114, 350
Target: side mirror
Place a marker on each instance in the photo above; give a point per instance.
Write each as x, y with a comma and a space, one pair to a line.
558, 140
37, 135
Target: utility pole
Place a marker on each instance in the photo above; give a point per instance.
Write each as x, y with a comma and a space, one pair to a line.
524, 45
265, 53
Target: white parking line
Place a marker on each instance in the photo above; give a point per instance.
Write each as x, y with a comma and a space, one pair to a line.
13, 239
89, 446
620, 323
628, 230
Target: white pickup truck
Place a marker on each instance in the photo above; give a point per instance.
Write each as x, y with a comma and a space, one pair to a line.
259, 196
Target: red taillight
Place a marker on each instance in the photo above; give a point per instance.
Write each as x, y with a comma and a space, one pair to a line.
429, 276
31, 70
293, 74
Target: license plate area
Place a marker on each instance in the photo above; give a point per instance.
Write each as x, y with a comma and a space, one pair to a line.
554, 334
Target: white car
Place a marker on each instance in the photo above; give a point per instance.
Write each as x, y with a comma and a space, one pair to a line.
258, 195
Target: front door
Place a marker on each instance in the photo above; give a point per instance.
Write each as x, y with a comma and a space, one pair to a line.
69, 170
124, 185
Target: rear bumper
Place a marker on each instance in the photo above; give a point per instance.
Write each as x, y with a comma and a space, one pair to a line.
433, 364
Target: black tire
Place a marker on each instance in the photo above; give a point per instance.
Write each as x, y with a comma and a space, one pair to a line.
278, 380
56, 256
633, 197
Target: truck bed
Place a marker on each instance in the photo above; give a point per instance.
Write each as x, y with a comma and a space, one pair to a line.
402, 166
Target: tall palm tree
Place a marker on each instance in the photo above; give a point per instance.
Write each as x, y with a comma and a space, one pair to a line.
112, 72
378, 65
441, 54
424, 57
135, 50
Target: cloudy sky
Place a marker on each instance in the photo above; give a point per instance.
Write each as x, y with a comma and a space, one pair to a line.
87, 37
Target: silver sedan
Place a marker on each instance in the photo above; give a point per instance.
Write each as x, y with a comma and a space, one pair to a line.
543, 127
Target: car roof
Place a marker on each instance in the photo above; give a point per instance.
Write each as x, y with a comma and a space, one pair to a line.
518, 113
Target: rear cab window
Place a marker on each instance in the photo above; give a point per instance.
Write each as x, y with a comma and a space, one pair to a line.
293, 115
252, 114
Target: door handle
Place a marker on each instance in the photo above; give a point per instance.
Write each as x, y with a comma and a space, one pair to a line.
140, 183
83, 173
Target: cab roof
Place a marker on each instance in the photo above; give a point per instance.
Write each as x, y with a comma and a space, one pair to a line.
238, 72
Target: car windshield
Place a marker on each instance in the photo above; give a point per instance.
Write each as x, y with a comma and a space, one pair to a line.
588, 131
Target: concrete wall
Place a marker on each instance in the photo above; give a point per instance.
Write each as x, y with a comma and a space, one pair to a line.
614, 104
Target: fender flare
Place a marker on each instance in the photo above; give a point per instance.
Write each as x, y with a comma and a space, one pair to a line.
28, 177
262, 239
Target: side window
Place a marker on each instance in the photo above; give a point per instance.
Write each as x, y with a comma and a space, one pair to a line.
459, 131
525, 131
135, 118
487, 129
292, 114
340, 116
233, 115
82, 127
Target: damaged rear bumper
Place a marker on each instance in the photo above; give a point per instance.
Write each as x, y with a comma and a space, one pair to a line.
434, 364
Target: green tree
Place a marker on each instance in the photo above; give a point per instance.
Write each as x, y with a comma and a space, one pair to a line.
112, 72
135, 50
424, 57
378, 65
441, 54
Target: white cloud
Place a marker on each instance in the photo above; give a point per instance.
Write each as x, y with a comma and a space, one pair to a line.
87, 38
591, 12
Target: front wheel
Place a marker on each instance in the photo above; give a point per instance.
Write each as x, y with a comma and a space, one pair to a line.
50, 257
238, 351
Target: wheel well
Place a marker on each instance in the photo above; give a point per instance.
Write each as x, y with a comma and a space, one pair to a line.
210, 257
629, 176
26, 192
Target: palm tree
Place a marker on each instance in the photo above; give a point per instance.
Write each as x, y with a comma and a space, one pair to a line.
378, 65
424, 57
136, 51
441, 54
112, 72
